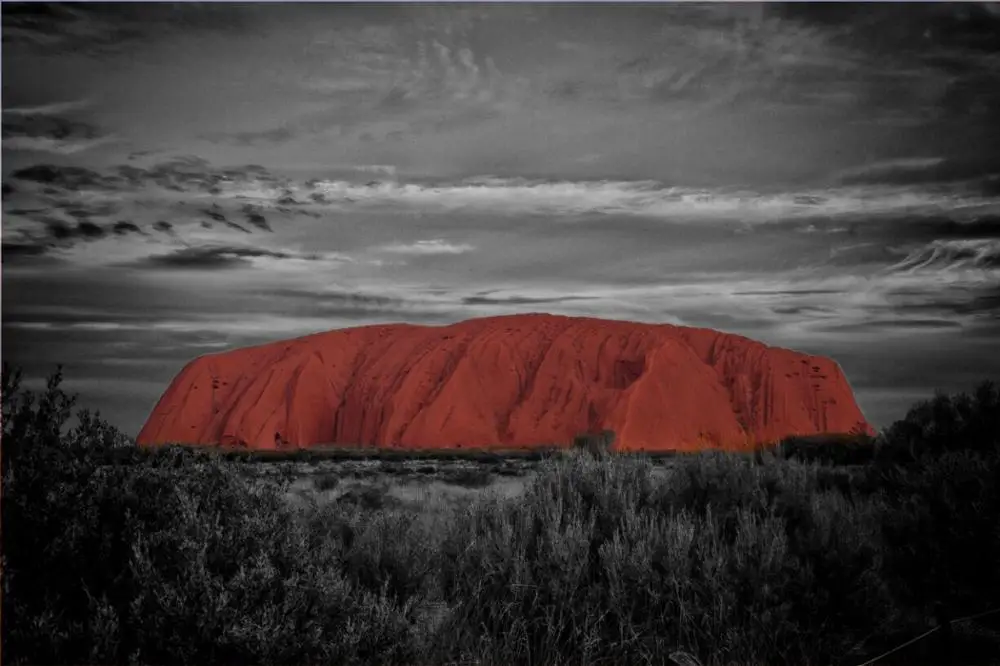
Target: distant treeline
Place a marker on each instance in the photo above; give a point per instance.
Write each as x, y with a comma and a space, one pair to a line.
809, 553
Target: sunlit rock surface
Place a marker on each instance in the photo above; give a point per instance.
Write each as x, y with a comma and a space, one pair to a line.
505, 382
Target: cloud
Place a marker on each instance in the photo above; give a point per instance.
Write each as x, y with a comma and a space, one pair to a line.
56, 26
652, 199
14, 251
381, 169
427, 248
876, 326
373, 305
60, 230
42, 125
255, 137
220, 257
57, 146
919, 171
88, 229
123, 227
337, 87
977, 303
791, 305
216, 215
163, 226
945, 257
857, 228
59, 196
879, 171
256, 219
44, 128
194, 173
69, 177
385, 81
702, 58
337, 117
338, 297
186, 174
940, 61
123, 215
242, 329
963, 206
104, 29
485, 299
179, 174
52, 108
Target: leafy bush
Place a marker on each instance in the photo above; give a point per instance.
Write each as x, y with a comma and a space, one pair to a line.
176, 558
942, 531
959, 422
600, 557
831, 449
118, 554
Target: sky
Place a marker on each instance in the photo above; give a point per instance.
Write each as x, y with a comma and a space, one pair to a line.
180, 179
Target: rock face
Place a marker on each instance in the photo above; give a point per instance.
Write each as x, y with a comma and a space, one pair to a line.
505, 382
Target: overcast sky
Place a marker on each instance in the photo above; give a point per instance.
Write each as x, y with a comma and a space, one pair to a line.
183, 179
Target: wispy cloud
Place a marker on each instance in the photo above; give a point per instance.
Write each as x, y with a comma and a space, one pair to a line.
953, 257
921, 171
184, 213
96, 30
878, 171
48, 128
253, 189
338, 86
652, 199
52, 145
53, 108
427, 247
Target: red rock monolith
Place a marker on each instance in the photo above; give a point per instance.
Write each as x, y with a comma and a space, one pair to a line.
518, 381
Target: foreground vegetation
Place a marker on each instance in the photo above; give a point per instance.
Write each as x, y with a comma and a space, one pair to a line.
800, 555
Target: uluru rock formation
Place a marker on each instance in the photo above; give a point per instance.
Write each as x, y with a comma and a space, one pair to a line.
505, 382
